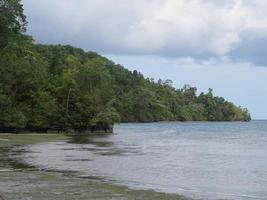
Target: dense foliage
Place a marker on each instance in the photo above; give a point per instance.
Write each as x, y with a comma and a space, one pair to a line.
12, 21
61, 87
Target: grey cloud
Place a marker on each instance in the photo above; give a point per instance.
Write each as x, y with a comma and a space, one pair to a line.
251, 51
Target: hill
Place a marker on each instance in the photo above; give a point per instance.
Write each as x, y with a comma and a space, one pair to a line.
55, 87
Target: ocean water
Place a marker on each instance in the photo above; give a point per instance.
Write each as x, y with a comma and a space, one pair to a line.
201, 160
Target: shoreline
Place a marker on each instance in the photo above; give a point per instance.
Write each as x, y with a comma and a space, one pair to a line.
33, 183
73, 133
43, 185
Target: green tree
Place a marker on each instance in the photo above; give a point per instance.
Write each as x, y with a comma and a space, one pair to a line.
12, 21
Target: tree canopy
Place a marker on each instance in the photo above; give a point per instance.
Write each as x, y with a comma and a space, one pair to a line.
44, 87
12, 21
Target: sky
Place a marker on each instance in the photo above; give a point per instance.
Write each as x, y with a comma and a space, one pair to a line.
219, 44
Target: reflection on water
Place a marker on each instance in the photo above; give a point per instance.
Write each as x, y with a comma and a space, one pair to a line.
87, 139
6, 158
200, 160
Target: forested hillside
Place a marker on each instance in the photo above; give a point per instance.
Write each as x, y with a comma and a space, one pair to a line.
61, 87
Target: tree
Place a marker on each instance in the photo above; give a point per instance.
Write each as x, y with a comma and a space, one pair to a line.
12, 21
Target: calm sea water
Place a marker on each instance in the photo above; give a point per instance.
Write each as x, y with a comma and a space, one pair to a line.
198, 160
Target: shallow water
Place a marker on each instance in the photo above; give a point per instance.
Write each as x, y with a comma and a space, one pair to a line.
199, 160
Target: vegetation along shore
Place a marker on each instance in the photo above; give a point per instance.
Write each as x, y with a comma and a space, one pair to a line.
57, 88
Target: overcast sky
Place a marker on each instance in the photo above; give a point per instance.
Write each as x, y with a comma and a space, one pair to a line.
206, 43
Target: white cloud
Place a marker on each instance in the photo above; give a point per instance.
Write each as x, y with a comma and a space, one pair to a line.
198, 28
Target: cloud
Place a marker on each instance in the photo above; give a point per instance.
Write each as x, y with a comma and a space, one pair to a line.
177, 28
